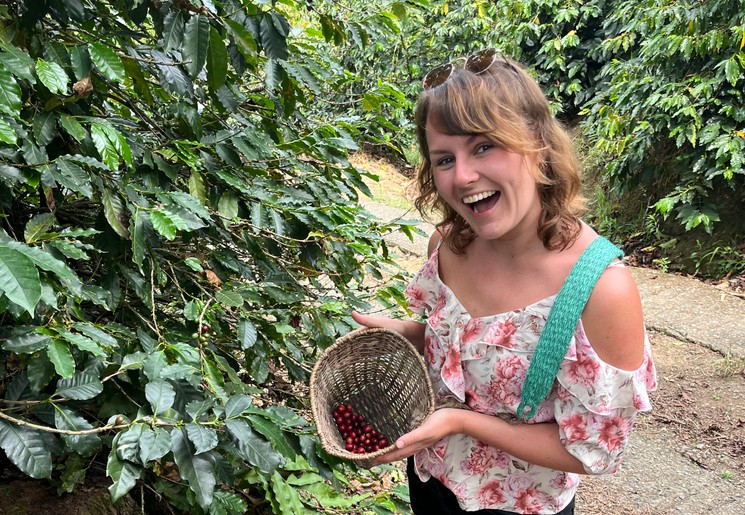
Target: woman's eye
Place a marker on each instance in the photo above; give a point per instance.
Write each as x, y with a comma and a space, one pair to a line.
483, 147
445, 161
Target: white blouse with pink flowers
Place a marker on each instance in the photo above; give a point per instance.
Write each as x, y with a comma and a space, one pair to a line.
482, 362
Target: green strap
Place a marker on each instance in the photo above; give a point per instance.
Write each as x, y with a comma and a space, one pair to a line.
562, 322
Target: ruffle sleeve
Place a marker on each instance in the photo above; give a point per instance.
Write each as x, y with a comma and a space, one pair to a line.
596, 405
422, 292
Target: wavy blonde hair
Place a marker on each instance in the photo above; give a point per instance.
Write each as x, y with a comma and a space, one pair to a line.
504, 104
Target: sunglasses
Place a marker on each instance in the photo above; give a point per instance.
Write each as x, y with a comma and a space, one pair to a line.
476, 63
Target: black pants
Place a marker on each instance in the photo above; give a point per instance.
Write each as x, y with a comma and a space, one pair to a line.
433, 498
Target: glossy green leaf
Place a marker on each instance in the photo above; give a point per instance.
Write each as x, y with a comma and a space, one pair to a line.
19, 278
17, 61
83, 343
273, 41
123, 473
196, 44
237, 405
28, 343
287, 497
106, 61
7, 133
154, 444
173, 30
253, 448
46, 261
279, 440
203, 438
80, 387
197, 469
217, 61
68, 174
243, 39
26, 448
247, 334
39, 226
60, 355
10, 94
85, 444
160, 395
53, 76
115, 214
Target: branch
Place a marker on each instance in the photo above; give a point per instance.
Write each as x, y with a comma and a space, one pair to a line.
47, 429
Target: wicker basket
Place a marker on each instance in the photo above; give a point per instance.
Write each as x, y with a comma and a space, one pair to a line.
382, 375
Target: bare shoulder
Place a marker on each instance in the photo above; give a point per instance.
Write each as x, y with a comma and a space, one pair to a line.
434, 240
613, 319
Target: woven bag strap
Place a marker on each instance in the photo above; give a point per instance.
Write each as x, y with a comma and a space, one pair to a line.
562, 322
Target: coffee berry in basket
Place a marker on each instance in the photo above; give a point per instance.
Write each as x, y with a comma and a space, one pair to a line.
359, 437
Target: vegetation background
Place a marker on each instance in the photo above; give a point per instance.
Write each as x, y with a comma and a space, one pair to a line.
180, 226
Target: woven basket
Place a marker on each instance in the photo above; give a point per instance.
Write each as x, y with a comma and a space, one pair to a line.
385, 379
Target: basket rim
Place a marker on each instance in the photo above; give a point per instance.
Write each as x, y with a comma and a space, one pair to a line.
366, 458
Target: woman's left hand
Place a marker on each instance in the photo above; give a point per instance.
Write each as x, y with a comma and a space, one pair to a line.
438, 425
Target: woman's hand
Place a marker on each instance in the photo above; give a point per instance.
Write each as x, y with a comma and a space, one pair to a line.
409, 329
438, 425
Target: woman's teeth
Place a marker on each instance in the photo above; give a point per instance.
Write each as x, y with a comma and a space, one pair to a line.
478, 196
473, 201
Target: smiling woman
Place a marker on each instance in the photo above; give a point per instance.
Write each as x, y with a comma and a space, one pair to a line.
501, 172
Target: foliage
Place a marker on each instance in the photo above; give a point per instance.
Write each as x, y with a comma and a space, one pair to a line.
656, 87
179, 237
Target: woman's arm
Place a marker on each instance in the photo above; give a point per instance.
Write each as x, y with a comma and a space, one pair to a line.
534, 443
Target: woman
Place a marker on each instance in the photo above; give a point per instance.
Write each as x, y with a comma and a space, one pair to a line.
501, 170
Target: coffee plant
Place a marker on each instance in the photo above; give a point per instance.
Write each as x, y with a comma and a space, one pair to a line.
180, 236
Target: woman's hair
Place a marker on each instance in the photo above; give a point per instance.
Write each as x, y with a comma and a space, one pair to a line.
504, 104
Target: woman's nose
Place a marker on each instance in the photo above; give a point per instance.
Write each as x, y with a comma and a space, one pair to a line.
465, 172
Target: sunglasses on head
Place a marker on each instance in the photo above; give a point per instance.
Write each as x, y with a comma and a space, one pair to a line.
477, 62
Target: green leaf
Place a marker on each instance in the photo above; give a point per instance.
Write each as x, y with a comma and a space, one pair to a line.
10, 94
46, 261
61, 357
28, 343
274, 42
252, 447
38, 226
246, 334
243, 39
272, 432
196, 43
154, 444
287, 496
99, 336
8, 133
197, 469
27, 449
160, 395
83, 343
106, 61
85, 444
45, 127
19, 278
204, 439
53, 76
73, 127
229, 299
227, 206
81, 387
71, 176
217, 61
123, 473
115, 214
237, 405
197, 188
173, 30
163, 224
17, 61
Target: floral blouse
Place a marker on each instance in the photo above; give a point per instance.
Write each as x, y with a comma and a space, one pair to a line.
482, 362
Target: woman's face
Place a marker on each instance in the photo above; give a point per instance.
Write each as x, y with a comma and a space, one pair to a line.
493, 189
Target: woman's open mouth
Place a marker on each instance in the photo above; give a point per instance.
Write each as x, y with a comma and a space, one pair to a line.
483, 201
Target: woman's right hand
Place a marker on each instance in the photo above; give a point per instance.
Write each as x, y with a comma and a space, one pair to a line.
410, 329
